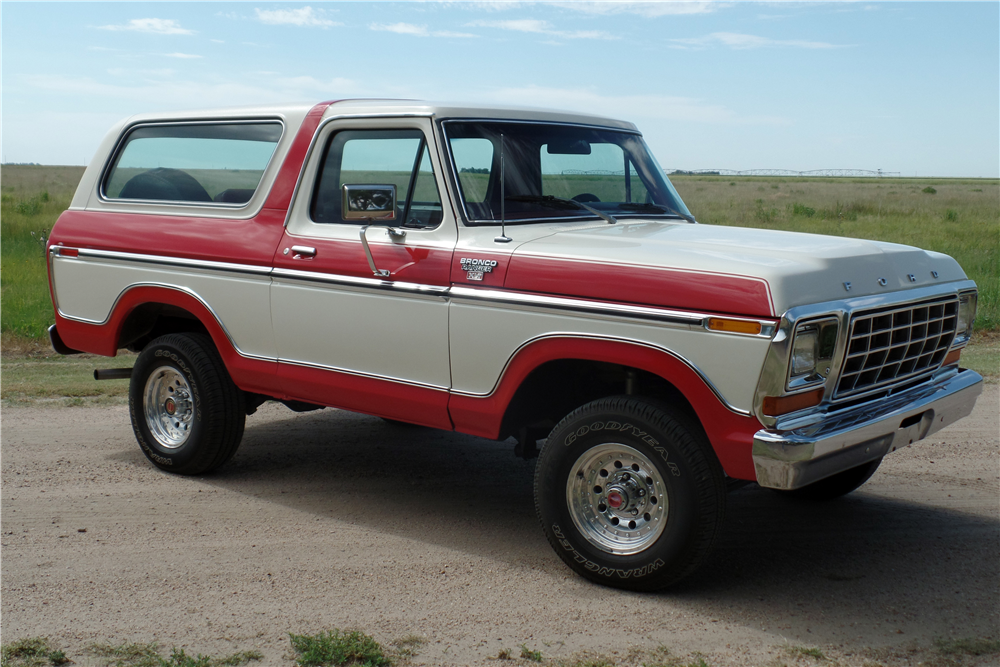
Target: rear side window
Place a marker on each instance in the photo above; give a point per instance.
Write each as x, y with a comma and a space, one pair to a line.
202, 163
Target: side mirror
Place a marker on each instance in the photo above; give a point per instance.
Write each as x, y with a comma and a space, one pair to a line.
368, 202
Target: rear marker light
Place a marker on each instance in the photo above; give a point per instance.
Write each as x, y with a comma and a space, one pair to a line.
69, 252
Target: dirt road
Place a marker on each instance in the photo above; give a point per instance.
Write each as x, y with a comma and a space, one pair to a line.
332, 519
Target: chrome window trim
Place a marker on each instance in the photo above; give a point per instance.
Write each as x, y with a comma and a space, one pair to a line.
613, 339
457, 188
119, 146
776, 363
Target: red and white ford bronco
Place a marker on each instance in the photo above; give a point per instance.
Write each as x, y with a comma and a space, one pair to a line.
502, 273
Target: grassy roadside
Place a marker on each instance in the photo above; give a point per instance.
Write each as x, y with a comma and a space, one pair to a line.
336, 647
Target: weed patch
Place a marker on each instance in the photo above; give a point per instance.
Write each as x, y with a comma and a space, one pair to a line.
338, 648
809, 652
929, 191
528, 654
31, 652
147, 655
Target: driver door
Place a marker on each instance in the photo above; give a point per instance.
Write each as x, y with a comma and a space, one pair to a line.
346, 337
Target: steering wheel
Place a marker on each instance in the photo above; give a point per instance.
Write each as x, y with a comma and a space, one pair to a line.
586, 198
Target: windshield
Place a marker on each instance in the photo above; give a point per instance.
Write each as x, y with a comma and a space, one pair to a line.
548, 167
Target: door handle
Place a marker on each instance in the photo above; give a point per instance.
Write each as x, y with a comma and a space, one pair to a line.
304, 251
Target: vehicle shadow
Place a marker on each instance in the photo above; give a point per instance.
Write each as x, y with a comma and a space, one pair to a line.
857, 568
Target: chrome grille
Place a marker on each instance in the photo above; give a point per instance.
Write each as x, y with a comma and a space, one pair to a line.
891, 345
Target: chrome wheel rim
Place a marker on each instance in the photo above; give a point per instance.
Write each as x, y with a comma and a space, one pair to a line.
168, 407
617, 499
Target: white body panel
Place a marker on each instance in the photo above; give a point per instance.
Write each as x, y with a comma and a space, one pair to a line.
363, 331
485, 337
87, 289
401, 336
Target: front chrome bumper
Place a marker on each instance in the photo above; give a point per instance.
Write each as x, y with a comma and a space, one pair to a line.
794, 458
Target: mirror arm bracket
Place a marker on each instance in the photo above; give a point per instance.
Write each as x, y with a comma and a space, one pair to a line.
379, 273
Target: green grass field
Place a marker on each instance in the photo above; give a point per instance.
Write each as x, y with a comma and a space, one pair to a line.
955, 216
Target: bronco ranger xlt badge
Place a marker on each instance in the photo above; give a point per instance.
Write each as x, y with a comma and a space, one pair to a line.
475, 268
657, 361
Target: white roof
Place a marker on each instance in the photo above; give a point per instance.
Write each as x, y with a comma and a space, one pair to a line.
376, 107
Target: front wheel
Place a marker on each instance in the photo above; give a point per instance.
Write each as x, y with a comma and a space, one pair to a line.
629, 493
187, 414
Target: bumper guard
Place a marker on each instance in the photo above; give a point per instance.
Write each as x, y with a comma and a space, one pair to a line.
843, 440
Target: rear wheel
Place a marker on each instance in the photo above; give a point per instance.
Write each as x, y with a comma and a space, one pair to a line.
629, 493
187, 414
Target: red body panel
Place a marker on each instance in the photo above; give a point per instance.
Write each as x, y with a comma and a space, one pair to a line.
645, 285
417, 405
280, 197
731, 434
408, 263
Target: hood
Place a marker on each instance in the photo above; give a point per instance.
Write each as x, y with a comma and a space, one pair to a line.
723, 269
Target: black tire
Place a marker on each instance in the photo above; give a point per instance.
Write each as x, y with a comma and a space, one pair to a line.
671, 493
837, 485
187, 414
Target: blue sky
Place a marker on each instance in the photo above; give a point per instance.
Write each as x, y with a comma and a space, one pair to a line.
907, 87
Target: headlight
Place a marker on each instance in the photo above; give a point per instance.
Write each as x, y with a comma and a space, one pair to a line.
813, 348
966, 317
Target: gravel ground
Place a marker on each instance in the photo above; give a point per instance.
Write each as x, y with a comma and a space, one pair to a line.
333, 519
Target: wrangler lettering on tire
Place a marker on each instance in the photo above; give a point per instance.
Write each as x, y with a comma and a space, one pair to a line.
629, 493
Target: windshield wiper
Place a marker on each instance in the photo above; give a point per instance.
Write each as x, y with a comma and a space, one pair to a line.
560, 203
662, 207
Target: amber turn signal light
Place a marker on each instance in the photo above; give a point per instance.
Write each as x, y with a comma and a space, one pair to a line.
952, 357
733, 326
775, 406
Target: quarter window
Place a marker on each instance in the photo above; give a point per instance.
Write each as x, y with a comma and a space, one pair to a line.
203, 163
379, 157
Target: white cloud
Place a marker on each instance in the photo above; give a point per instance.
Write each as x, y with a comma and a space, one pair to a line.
218, 41
183, 56
157, 26
304, 17
401, 28
538, 27
416, 30
652, 107
647, 9
736, 40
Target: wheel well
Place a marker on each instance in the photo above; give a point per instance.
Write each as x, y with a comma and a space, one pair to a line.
152, 320
556, 388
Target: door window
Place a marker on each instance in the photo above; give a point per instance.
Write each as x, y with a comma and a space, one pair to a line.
379, 157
